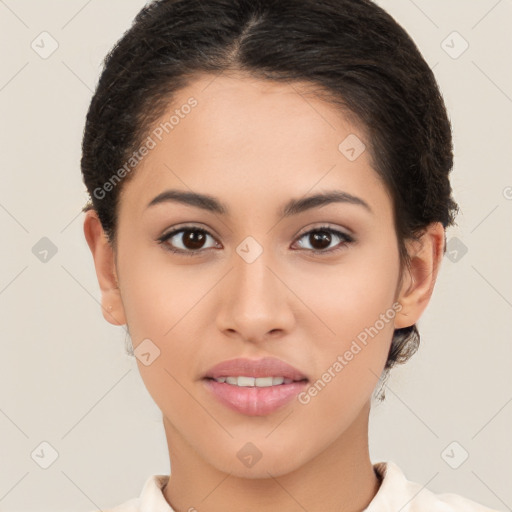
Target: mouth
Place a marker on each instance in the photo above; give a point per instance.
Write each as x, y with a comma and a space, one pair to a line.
254, 387
268, 371
243, 381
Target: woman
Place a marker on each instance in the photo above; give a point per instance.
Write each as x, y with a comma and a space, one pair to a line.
269, 185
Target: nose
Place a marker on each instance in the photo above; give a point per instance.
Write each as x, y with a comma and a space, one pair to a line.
255, 300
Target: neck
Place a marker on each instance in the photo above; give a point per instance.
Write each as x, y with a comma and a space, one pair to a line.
341, 478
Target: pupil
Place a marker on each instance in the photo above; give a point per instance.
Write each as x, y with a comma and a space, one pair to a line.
193, 239
321, 236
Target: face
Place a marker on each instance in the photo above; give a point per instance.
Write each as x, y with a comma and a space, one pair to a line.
314, 286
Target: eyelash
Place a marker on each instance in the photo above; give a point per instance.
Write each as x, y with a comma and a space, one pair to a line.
347, 239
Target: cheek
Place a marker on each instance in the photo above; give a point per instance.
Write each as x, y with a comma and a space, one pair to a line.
349, 363
157, 296
353, 294
355, 301
162, 304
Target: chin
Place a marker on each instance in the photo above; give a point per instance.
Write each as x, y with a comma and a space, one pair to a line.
263, 459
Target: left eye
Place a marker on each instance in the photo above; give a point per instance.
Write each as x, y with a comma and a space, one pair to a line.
322, 237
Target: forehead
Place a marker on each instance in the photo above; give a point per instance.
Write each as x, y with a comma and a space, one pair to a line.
245, 133
241, 106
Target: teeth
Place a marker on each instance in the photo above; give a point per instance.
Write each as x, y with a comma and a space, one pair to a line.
260, 382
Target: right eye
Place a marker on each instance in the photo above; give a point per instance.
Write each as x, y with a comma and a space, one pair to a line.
190, 240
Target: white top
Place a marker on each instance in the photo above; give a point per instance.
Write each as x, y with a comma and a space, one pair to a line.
395, 493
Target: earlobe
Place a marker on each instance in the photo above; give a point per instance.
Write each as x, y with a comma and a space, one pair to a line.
419, 279
104, 262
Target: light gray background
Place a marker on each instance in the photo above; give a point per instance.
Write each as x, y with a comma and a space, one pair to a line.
64, 375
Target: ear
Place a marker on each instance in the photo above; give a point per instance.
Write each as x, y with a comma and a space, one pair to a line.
104, 261
419, 280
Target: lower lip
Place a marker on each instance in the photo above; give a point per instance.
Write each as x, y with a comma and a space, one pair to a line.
254, 401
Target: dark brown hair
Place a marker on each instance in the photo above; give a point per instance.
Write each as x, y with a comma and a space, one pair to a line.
352, 52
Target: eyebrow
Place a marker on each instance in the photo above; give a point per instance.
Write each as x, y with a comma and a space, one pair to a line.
293, 207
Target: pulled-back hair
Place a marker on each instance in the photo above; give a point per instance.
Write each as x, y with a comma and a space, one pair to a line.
351, 52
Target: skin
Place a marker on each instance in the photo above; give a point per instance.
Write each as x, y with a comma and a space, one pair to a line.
254, 145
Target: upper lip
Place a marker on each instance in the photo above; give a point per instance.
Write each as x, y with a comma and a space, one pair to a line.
264, 367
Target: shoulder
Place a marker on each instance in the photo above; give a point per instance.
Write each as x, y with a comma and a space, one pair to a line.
398, 493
